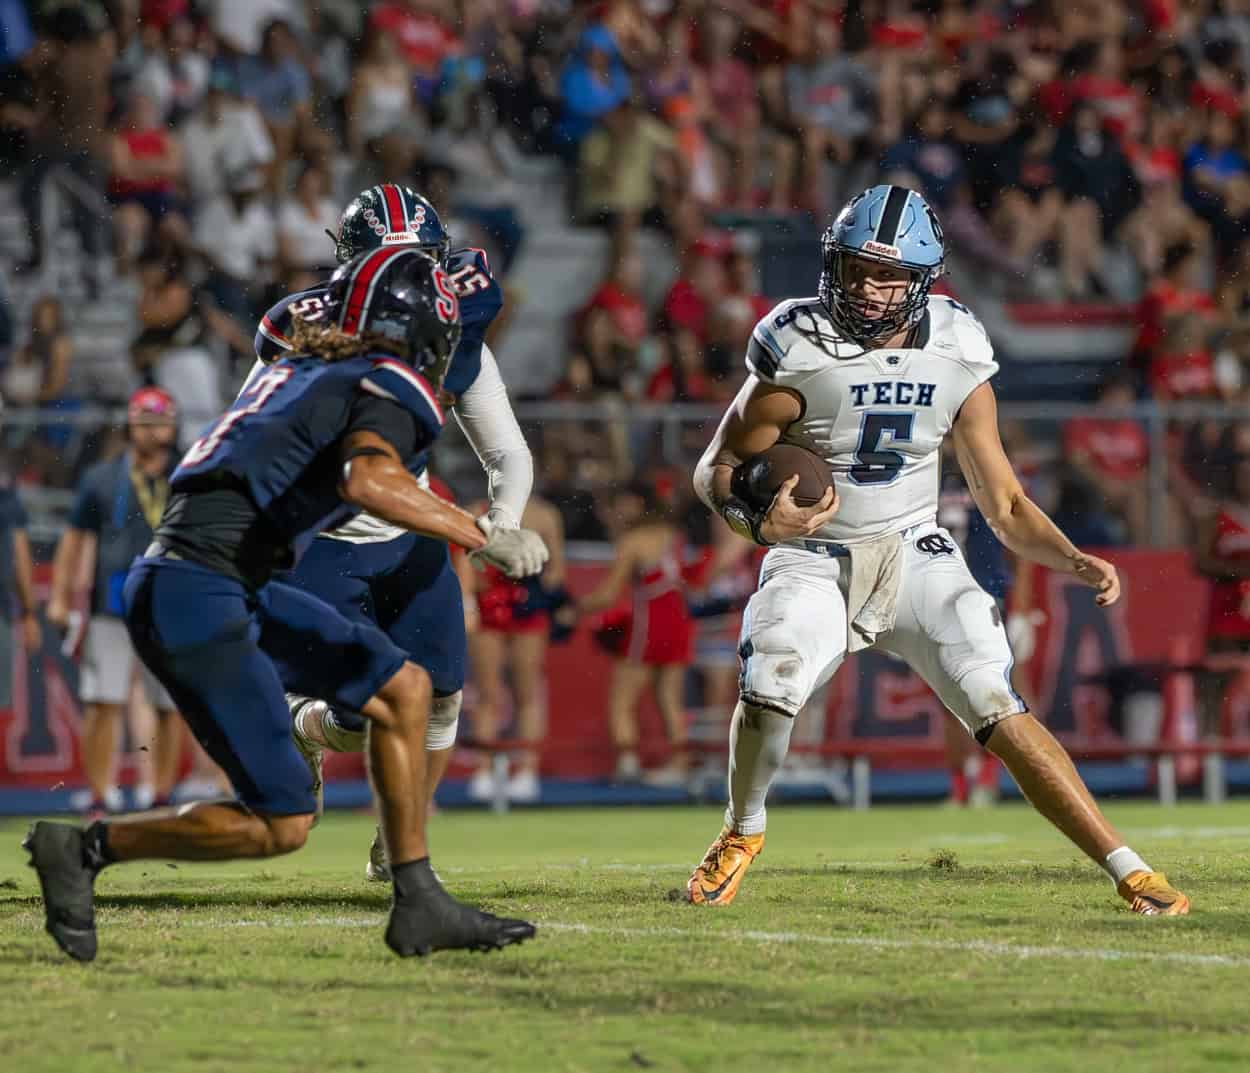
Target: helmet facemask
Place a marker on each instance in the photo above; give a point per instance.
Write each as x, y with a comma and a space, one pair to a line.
852, 314
432, 354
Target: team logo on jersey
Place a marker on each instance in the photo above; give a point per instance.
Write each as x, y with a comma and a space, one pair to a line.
883, 249
935, 544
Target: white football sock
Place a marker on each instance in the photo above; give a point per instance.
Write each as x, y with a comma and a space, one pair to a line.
758, 740
1124, 862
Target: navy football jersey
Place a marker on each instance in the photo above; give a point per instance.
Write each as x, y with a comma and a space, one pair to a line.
278, 442
480, 303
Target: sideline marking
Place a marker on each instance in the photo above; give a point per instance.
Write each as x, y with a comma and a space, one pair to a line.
783, 938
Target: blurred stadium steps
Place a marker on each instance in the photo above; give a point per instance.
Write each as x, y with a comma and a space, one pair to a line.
102, 324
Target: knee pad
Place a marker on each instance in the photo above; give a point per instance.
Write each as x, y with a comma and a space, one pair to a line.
987, 699
774, 677
444, 720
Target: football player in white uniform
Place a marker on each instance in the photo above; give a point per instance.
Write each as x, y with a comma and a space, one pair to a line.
872, 375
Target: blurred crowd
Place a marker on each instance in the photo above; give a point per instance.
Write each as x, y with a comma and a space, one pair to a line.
1078, 152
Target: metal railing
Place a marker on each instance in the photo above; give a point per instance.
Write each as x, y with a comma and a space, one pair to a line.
673, 435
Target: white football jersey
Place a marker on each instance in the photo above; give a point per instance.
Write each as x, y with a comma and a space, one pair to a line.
878, 417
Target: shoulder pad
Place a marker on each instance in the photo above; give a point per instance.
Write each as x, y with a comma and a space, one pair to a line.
780, 344
480, 295
481, 299
272, 340
957, 334
393, 380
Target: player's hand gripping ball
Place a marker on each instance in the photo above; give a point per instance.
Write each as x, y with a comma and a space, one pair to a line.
793, 486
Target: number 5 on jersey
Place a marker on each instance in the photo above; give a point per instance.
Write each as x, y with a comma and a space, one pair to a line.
873, 464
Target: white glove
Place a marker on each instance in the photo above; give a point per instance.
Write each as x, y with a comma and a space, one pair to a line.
1022, 633
517, 552
502, 518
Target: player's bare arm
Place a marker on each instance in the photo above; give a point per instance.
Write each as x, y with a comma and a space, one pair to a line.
375, 479
756, 420
1016, 520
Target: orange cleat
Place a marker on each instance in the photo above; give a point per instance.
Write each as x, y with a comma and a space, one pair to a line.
716, 880
1151, 895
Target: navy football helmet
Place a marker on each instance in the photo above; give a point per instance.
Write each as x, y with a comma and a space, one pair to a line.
390, 215
891, 225
402, 300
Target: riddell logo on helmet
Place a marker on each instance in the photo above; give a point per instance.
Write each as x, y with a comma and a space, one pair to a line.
399, 238
882, 250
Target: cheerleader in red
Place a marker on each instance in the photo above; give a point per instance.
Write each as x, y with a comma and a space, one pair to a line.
1224, 556
654, 642
512, 631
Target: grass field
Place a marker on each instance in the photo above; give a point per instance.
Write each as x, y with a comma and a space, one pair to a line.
900, 939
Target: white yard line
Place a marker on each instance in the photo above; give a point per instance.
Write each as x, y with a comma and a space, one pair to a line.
1188, 832
794, 938
995, 838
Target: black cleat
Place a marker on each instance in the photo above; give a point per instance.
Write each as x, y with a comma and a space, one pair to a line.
425, 918
56, 854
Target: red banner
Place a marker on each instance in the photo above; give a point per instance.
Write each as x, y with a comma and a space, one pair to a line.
872, 697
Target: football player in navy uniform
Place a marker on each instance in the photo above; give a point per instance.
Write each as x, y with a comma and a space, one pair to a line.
371, 571
329, 431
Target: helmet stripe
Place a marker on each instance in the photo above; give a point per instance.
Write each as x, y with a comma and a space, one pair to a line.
397, 218
892, 215
360, 288
385, 208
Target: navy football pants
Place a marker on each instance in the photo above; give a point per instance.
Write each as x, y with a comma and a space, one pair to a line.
215, 646
406, 587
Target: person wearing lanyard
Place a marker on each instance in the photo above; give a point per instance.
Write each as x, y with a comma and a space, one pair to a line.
118, 504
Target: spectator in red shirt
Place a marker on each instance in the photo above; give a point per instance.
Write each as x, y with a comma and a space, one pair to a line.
1093, 73
681, 377
422, 29
1222, 554
619, 300
1178, 319
744, 283
1220, 75
146, 166
1112, 454
695, 292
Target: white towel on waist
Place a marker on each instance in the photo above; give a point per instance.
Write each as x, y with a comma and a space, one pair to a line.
872, 596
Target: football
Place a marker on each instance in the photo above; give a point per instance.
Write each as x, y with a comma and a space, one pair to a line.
758, 478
